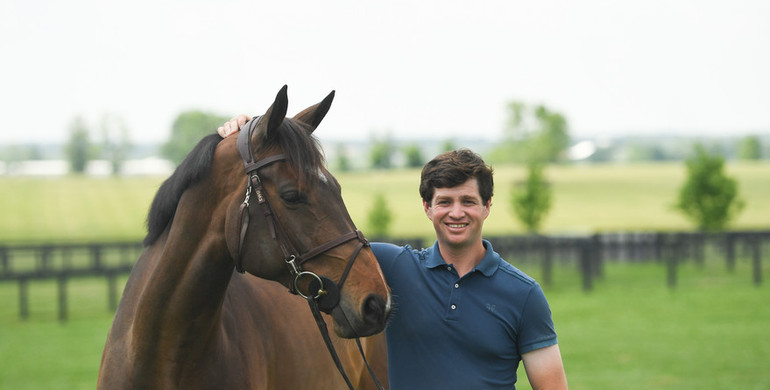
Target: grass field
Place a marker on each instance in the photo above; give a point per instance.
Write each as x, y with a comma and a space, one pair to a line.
586, 199
631, 332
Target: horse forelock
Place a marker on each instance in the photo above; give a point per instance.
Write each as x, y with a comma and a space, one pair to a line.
302, 150
195, 166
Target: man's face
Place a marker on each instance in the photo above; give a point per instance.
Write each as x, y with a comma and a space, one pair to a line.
458, 214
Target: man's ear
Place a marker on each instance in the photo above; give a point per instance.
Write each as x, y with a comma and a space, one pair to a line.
426, 207
488, 208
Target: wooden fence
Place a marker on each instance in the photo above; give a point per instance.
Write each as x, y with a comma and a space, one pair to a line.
62, 262
590, 253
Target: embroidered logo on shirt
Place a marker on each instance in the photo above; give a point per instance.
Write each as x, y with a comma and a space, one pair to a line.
491, 307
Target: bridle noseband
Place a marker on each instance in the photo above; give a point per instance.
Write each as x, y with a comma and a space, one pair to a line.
293, 258
323, 293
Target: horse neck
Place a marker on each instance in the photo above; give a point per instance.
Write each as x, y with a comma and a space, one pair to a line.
186, 280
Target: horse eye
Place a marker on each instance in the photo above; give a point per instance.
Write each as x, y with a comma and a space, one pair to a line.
292, 197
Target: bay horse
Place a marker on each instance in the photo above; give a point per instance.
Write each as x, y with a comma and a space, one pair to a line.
190, 319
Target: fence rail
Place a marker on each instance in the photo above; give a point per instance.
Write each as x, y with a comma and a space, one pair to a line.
61, 262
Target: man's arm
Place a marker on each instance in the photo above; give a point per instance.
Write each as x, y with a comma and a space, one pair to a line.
545, 370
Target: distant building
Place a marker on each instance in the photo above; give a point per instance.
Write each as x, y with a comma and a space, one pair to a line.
149, 166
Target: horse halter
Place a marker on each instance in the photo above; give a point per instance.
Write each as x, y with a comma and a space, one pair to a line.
322, 289
323, 293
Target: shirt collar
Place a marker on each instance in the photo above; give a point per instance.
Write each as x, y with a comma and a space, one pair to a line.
487, 265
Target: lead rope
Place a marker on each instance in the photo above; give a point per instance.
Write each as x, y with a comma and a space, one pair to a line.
325, 334
333, 352
325, 331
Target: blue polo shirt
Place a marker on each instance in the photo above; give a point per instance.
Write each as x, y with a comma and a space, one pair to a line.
448, 332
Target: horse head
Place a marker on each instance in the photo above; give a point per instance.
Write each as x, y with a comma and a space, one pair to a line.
292, 225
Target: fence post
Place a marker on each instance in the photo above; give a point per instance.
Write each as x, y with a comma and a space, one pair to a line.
96, 256
547, 261
44, 256
597, 258
757, 260
62, 283
658, 245
23, 299
112, 294
585, 264
699, 242
671, 263
4, 259
730, 251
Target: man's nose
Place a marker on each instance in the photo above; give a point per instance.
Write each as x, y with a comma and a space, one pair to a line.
456, 211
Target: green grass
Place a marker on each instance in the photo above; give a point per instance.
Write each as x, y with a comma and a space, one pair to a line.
43, 353
630, 332
74, 208
633, 332
586, 199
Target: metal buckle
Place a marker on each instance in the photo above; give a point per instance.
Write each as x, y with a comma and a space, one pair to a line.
321, 291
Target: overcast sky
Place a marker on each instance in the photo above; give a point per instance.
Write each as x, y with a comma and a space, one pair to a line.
415, 69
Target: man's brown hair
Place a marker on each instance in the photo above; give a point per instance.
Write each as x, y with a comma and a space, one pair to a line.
453, 168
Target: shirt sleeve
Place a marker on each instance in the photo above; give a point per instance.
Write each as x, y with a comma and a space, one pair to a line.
386, 255
536, 330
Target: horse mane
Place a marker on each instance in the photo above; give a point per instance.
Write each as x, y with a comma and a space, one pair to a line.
302, 150
195, 166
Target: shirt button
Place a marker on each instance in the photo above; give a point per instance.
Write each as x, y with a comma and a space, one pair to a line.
457, 285
453, 307
448, 268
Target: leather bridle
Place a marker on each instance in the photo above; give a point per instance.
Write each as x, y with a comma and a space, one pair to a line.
322, 294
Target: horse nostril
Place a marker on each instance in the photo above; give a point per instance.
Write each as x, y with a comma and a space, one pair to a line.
373, 310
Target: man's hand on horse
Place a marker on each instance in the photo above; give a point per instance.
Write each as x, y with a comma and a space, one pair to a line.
232, 125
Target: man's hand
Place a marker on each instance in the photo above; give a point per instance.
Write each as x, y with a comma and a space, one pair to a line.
232, 125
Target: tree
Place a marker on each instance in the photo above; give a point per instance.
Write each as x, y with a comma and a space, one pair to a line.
531, 200
379, 217
343, 161
448, 145
188, 128
78, 150
551, 139
532, 134
116, 144
413, 156
381, 153
708, 197
750, 148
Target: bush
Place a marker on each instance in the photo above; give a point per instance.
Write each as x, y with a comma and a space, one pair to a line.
379, 217
531, 200
709, 197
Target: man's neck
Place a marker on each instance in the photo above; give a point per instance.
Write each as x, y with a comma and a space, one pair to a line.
463, 258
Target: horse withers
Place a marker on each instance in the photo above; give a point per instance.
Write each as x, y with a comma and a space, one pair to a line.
188, 320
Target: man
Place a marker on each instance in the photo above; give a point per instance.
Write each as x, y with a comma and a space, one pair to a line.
464, 318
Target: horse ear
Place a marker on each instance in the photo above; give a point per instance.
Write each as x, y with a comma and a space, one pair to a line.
313, 115
276, 113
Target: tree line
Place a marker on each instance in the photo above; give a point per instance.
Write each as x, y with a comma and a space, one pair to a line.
534, 135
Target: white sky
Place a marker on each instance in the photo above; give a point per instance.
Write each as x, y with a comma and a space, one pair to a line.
415, 68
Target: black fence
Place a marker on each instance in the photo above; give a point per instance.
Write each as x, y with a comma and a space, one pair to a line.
590, 253
62, 262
